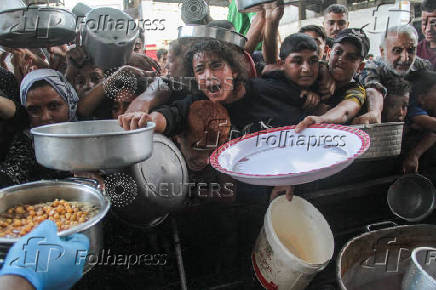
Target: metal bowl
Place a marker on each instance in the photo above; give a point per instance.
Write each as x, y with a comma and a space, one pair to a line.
411, 197
91, 145
48, 190
204, 31
421, 273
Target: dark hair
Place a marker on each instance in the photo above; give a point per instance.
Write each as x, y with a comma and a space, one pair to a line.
161, 52
336, 9
179, 46
422, 82
397, 87
225, 51
39, 84
295, 43
428, 5
314, 28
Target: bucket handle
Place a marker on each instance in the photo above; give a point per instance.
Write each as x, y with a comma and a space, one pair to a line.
380, 225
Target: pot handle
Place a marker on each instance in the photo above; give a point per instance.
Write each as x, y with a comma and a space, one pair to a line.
83, 180
380, 225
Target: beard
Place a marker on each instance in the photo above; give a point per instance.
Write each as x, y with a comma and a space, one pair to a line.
391, 66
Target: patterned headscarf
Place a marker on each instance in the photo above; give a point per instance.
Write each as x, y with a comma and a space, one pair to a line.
58, 82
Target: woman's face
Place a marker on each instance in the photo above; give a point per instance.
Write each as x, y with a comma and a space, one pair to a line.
214, 76
45, 106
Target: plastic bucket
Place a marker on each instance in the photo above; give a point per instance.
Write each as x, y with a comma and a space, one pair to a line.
295, 243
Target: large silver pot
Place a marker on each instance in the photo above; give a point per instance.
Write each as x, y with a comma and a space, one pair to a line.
36, 27
204, 31
379, 259
422, 270
108, 45
91, 145
145, 193
48, 190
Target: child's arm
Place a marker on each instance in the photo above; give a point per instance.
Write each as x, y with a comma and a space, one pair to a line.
273, 14
132, 121
425, 122
411, 162
374, 101
342, 113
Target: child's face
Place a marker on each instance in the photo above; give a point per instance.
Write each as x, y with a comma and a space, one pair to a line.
395, 108
428, 101
214, 76
344, 62
302, 67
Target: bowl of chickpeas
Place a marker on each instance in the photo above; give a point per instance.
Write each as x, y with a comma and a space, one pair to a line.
74, 206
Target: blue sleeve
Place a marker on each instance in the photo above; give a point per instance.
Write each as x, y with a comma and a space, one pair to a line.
414, 109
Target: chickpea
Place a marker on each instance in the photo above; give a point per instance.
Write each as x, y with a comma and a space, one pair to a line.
20, 210
10, 211
56, 216
68, 215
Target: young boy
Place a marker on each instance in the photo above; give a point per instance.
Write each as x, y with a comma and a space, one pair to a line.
255, 104
346, 59
396, 101
424, 94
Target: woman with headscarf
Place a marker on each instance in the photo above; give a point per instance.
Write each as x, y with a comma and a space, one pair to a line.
48, 98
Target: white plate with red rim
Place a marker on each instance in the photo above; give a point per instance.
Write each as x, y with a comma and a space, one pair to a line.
279, 156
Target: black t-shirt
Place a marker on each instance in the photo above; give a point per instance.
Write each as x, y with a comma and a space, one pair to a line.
270, 101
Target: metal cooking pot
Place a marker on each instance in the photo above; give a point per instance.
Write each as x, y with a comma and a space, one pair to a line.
422, 270
195, 12
48, 190
204, 31
36, 27
108, 36
143, 194
91, 145
412, 197
379, 259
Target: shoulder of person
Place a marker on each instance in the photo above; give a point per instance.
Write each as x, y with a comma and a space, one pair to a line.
422, 64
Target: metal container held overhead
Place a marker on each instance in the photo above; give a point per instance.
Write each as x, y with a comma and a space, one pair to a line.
91, 145
49, 190
108, 36
379, 258
146, 192
422, 270
204, 31
36, 27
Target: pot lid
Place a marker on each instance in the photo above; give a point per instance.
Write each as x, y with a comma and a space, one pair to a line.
36, 27
164, 174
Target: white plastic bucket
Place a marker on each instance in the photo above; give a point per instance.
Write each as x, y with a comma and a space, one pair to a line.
295, 243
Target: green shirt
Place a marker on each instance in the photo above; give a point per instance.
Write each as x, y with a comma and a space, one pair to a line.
241, 21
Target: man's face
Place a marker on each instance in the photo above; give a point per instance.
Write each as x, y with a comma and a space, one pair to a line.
334, 23
302, 67
319, 41
395, 108
214, 76
344, 61
45, 106
400, 52
428, 25
428, 101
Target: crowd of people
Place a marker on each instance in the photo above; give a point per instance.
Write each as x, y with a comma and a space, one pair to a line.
318, 75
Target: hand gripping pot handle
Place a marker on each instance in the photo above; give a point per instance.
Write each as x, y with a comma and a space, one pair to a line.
380, 225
